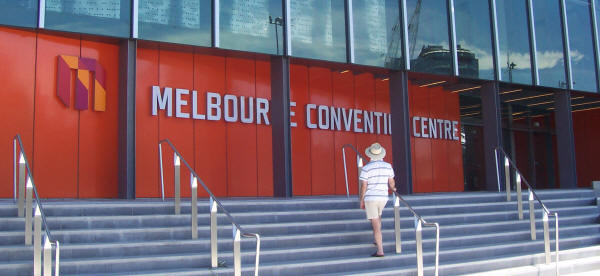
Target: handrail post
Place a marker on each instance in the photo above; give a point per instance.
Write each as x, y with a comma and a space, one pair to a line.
28, 212
37, 242
22, 179
257, 254
57, 259
397, 224
359, 162
47, 257
419, 244
437, 248
237, 260
519, 196
507, 177
213, 234
345, 172
531, 215
15, 171
194, 206
556, 241
546, 238
162, 180
177, 184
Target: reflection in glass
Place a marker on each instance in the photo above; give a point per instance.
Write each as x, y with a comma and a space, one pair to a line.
19, 13
377, 33
549, 41
251, 25
474, 39
513, 40
582, 48
177, 21
318, 29
428, 36
107, 17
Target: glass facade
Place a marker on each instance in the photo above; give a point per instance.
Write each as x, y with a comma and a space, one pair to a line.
377, 33
581, 44
513, 38
474, 39
428, 37
252, 25
549, 41
108, 17
21, 13
318, 29
176, 21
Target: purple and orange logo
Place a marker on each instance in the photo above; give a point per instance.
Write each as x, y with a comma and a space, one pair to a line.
85, 68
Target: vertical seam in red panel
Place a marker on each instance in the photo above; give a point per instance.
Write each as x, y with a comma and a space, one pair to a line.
226, 137
78, 134
334, 149
158, 183
34, 89
309, 133
256, 133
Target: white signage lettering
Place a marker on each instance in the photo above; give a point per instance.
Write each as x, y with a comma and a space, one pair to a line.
249, 110
433, 128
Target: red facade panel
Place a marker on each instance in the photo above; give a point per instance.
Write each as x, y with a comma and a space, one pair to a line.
17, 75
264, 141
147, 165
300, 135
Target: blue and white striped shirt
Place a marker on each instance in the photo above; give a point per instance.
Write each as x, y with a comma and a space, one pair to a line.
376, 173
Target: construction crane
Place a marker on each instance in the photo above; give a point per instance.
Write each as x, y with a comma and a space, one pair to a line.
391, 57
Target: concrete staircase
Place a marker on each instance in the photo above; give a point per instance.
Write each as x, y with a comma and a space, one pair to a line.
307, 236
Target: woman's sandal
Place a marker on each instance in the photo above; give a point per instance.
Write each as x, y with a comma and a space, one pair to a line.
376, 255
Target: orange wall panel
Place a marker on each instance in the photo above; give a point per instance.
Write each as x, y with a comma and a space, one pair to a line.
98, 131
343, 97
321, 148
56, 126
146, 138
17, 75
211, 145
382, 104
241, 138
364, 90
439, 147
176, 71
264, 145
300, 135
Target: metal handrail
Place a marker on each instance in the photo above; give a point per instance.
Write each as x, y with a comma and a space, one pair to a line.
358, 158
56, 243
212, 196
422, 221
532, 195
419, 221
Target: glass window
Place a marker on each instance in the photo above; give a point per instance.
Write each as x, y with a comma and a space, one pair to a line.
252, 25
583, 68
513, 40
318, 29
107, 17
549, 41
177, 21
474, 39
428, 37
377, 33
19, 13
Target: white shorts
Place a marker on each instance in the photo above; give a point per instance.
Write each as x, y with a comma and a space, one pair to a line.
374, 208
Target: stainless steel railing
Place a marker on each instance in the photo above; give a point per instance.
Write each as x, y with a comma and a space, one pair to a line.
419, 221
508, 164
215, 204
359, 164
26, 190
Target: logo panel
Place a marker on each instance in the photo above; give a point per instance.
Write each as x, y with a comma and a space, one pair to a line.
86, 68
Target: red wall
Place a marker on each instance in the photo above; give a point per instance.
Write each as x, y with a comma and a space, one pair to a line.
587, 148
233, 159
436, 163
317, 165
73, 153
